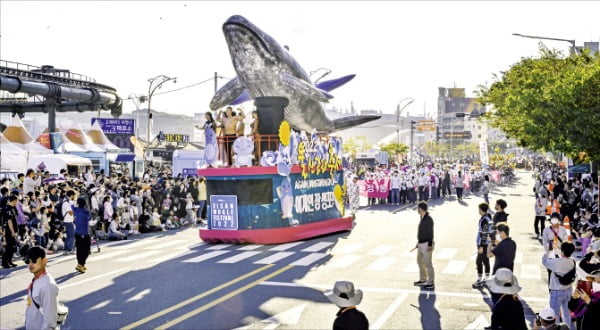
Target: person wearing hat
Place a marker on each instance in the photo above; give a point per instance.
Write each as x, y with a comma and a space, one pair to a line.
344, 296
546, 320
560, 293
42, 292
585, 304
507, 312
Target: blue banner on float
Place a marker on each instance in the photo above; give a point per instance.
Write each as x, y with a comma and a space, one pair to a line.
314, 198
223, 212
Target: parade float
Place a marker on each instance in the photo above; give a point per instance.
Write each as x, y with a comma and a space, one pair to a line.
284, 184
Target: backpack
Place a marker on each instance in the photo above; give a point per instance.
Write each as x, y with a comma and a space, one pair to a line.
568, 277
59, 211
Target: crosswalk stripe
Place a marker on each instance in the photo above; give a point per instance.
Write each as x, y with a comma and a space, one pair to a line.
250, 247
286, 246
138, 255
445, 253
135, 245
348, 248
107, 255
206, 256
317, 247
170, 256
166, 244
345, 261
412, 267
274, 258
530, 271
239, 256
381, 250
218, 247
381, 263
455, 267
309, 259
519, 258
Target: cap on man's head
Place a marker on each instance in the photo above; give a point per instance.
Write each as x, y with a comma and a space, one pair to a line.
547, 314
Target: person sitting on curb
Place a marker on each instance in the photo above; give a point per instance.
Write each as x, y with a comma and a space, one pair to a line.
114, 230
344, 296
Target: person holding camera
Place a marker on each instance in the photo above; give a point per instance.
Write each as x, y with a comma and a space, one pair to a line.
561, 280
546, 320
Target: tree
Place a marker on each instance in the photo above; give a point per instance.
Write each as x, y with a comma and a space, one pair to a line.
354, 144
394, 149
550, 103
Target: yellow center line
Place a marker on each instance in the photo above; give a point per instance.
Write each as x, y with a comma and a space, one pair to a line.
222, 299
191, 300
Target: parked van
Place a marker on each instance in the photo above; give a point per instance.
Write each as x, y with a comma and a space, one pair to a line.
53, 163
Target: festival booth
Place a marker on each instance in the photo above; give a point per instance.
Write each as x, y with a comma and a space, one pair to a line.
12, 157
18, 135
74, 165
296, 192
115, 158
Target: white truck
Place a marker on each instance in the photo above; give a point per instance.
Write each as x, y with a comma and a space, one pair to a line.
372, 158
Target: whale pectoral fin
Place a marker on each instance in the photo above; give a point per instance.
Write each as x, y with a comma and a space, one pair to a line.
227, 94
332, 84
295, 85
245, 96
350, 121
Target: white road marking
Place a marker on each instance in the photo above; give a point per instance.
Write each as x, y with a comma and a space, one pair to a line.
274, 258
317, 247
381, 263
381, 250
480, 322
206, 256
134, 245
345, 261
120, 270
218, 247
286, 246
169, 256
348, 248
250, 247
445, 253
239, 256
166, 244
99, 305
140, 295
138, 255
309, 259
455, 267
412, 267
531, 271
107, 255
389, 311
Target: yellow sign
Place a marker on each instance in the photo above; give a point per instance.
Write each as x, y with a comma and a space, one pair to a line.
426, 125
313, 163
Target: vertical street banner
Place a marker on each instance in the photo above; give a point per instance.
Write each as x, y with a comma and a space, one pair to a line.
223, 212
483, 152
118, 131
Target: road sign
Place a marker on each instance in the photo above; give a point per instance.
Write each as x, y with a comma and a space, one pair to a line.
457, 135
426, 125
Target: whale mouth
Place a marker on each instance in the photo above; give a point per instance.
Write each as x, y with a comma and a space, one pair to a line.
236, 26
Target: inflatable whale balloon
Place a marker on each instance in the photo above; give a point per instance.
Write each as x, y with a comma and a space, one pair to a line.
264, 68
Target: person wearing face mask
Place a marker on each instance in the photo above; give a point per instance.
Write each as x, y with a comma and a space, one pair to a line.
553, 236
504, 252
560, 292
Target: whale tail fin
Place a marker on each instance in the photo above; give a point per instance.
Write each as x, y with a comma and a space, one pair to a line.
351, 121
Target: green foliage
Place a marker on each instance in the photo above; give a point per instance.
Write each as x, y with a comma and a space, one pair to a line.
550, 103
394, 149
355, 144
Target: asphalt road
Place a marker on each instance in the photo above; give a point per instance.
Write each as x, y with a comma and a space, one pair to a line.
173, 280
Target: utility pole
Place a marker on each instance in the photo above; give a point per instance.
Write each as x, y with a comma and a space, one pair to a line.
216, 77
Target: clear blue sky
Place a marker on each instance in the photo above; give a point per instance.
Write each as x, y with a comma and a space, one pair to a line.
397, 49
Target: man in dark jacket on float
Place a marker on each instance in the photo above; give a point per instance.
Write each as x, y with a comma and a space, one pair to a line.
424, 248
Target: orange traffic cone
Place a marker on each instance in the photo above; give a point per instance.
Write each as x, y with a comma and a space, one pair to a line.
567, 225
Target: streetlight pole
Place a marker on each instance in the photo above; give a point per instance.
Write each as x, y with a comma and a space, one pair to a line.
399, 112
155, 83
572, 42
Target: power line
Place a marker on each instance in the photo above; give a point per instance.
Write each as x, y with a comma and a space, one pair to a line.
175, 90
